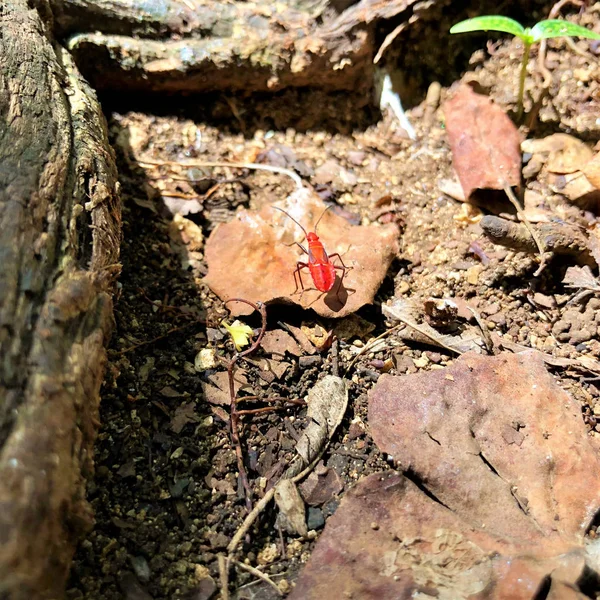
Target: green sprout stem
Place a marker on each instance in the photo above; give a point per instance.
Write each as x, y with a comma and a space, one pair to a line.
550, 28
526, 52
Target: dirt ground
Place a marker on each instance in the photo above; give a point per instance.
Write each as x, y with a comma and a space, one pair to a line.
167, 495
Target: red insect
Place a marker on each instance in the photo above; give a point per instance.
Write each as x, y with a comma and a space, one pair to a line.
322, 270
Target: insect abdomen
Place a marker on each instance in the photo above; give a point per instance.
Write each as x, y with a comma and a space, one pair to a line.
323, 275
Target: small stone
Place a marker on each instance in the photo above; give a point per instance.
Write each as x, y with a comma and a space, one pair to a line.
268, 554
181, 567
356, 157
421, 362
315, 518
140, 567
205, 359
305, 362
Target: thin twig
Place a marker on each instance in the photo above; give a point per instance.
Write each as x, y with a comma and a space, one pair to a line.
224, 575
335, 361
264, 501
257, 573
536, 238
234, 414
370, 345
485, 332
234, 165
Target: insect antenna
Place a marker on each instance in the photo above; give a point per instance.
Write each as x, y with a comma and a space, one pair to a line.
292, 218
319, 219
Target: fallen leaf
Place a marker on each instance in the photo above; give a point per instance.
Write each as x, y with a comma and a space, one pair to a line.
184, 414
321, 487
216, 389
291, 507
464, 339
279, 342
169, 392
485, 143
254, 257
501, 484
269, 369
327, 401
388, 539
581, 278
450, 433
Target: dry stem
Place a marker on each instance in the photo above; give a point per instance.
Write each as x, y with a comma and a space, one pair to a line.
258, 574
234, 414
530, 228
234, 165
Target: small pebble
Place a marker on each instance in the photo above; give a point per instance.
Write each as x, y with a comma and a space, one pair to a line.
140, 568
305, 362
315, 518
205, 359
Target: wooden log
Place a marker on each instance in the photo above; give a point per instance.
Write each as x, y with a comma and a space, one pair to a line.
59, 244
225, 46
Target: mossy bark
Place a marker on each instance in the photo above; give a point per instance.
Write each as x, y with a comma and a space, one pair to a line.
59, 243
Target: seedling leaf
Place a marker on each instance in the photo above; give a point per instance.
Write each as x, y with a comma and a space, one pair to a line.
239, 332
552, 28
490, 23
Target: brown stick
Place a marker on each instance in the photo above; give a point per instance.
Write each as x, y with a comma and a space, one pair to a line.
234, 414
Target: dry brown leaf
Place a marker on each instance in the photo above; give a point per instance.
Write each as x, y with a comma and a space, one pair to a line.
291, 507
184, 414
485, 143
507, 484
321, 486
216, 389
406, 311
443, 427
279, 342
388, 539
327, 401
581, 278
254, 257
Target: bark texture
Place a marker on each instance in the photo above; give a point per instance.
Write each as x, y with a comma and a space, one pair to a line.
59, 244
167, 46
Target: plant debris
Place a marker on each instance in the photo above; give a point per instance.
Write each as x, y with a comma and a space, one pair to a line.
485, 143
254, 256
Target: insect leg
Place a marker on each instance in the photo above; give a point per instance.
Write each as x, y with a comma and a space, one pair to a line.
299, 265
343, 269
301, 247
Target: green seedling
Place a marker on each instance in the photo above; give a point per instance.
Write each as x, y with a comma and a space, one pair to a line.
551, 28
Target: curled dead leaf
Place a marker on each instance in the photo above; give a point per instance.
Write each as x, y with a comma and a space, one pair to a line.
484, 141
255, 255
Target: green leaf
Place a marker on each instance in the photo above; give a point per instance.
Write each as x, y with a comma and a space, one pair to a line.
553, 28
490, 23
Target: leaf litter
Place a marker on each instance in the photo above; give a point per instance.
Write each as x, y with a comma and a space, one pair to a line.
182, 503
497, 484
